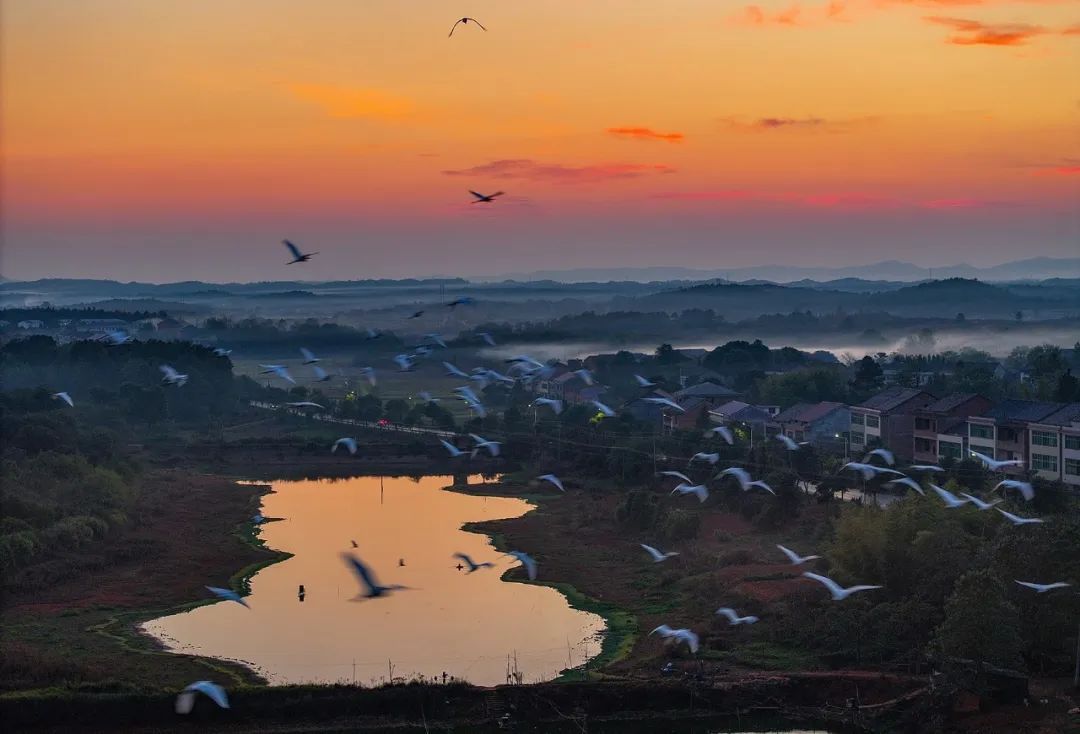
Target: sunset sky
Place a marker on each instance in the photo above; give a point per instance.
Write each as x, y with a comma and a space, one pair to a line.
171, 141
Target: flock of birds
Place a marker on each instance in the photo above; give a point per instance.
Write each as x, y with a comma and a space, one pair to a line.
525, 369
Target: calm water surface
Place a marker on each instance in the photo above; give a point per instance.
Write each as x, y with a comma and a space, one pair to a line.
462, 624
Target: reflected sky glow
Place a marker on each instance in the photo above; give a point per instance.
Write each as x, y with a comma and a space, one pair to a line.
463, 624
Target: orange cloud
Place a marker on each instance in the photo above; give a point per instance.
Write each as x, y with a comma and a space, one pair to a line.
353, 102
644, 133
810, 123
1067, 167
523, 168
977, 33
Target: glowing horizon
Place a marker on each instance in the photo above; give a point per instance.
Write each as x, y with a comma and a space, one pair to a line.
161, 142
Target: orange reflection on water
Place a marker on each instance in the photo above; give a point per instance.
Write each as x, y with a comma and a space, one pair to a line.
454, 622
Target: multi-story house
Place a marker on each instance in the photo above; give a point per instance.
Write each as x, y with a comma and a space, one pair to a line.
1054, 445
1002, 432
939, 424
819, 423
888, 419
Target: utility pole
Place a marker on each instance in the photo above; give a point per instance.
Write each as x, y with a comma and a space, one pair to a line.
1076, 670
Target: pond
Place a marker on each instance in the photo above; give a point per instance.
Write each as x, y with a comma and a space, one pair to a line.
472, 626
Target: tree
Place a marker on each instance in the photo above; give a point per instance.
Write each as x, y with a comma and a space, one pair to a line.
666, 354
980, 623
1068, 388
868, 373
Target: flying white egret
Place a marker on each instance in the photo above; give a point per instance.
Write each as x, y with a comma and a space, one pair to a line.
678, 635
404, 362
925, 468
1025, 487
555, 405
368, 373
437, 338
907, 482
219, 352
553, 479
172, 377
762, 484
869, 471
723, 432
795, 558
605, 410
298, 257
950, 499
677, 475
278, 370
524, 359
1042, 588
884, 454
585, 376
703, 456
488, 338
347, 442
700, 490
65, 397
642, 382
994, 465
978, 502
454, 450
477, 407
185, 701
453, 371
309, 358
1017, 520
227, 595
372, 334
789, 443
427, 397
465, 21
472, 565
839, 593
733, 618
527, 561
116, 337
321, 375
305, 404
665, 401
371, 587
657, 556
741, 476
493, 447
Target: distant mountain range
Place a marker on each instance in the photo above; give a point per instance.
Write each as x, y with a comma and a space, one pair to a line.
1036, 268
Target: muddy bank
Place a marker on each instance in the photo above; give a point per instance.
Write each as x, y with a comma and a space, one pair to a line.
72, 619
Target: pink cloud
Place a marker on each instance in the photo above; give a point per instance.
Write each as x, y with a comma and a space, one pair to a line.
977, 33
524, 168
837, 200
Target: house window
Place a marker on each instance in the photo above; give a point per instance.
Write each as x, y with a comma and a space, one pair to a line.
856, 419
1042, 462
1008, 434
857, 439
924, 445
923, 424
872, 421
1072, 442
977, 431
1072, 466
1044, 438
948, 450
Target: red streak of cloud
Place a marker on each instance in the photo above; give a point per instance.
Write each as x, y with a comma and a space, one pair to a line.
524, 168
977, 33
645, 133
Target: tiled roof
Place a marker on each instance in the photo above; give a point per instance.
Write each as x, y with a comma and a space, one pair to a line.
706, 390
1022, 410
891, 398
807, 412
737, 410
1064, 417
950, 402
